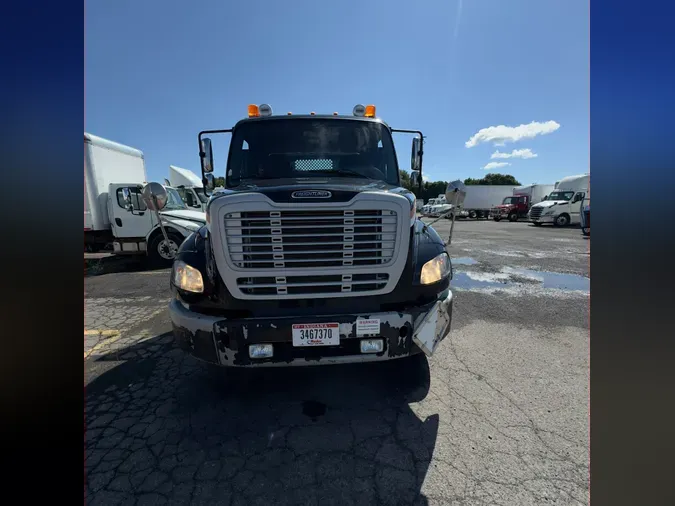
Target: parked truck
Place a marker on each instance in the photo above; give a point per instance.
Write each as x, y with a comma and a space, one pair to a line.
518, 205
563, 205
189, 187
586, 212
115, 215
481, 199
313, 254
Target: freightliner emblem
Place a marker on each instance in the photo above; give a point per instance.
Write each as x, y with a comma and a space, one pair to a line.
311, 194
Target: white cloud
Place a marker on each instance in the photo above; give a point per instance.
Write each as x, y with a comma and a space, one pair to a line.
516, 153
495, 165
425, 177
501, 134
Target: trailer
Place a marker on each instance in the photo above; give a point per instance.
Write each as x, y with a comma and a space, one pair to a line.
480, 199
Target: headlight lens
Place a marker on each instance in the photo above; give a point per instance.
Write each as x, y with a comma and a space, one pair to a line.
187, 277
435, 269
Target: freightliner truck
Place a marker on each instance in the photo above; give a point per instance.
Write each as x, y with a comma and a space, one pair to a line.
312, 253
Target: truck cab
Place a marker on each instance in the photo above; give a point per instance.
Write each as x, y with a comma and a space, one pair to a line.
136, 229
189, 187
512, 208
312, 253
562, 206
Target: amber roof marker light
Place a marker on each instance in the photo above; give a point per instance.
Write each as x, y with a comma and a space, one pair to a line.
253, 111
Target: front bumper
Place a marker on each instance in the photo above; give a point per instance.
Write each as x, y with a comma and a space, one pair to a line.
549, 218
225, 342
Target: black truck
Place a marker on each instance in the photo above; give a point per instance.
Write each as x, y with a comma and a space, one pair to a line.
312, 252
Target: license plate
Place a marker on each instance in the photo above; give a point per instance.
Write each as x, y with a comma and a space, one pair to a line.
316, 334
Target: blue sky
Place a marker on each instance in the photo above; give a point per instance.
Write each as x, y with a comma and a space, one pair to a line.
158, 72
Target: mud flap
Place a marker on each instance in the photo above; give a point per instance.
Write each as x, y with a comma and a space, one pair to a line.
432, 327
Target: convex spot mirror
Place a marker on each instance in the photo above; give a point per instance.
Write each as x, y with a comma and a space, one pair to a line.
155, 196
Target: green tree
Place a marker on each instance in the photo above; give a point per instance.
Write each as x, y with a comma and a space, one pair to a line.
220, 181
493, 178
405, 179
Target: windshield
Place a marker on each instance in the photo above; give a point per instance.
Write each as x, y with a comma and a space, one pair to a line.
311, 148
173, 201
510, 200
200, 194
560, 195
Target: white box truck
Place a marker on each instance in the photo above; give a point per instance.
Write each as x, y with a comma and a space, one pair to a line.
115, 213
480, 199
189, 186
563, 205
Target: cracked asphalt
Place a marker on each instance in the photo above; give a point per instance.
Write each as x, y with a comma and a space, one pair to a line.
502, 419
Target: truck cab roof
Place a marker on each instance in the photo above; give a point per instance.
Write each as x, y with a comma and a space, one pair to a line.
343, 117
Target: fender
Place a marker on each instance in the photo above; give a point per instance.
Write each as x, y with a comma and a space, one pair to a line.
181, 226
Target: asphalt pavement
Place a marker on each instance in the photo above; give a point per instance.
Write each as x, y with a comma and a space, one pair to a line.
502, 420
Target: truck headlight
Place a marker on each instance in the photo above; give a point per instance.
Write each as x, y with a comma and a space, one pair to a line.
435, 269
187, 278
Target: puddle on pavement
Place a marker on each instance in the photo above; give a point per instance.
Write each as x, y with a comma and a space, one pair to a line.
511, 277
463, 261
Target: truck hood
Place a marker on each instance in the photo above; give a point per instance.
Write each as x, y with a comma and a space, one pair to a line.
549, 203
194, 216
342, 189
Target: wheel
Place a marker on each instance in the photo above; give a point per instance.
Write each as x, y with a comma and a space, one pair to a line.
161, 253
513, 217
472, 214
497, 218
536, 223
562, 221
586, 231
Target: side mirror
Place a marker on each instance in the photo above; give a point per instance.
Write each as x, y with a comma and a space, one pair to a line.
209, 181
416, 155
415, 178
155, 196
206, 156
126, 196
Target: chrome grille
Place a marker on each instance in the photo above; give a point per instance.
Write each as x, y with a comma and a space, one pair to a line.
535, 212
310, 239
309, 285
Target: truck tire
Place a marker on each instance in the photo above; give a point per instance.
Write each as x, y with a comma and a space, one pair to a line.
586, 231
536, 223
513, 217
497, 218
562, 220
472, 214
161, 254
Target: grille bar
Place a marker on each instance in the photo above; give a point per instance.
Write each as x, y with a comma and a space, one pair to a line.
325, 283
230, 217
300, 235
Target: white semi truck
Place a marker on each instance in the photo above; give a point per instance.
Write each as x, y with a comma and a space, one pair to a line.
189, 186
115, 213
563, 205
